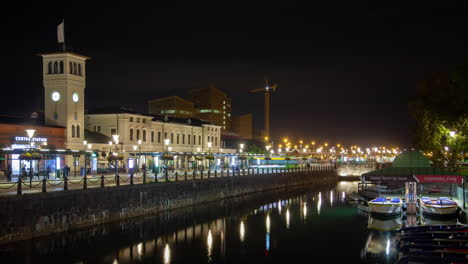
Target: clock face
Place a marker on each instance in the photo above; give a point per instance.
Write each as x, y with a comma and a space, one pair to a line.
75, 97
55, 96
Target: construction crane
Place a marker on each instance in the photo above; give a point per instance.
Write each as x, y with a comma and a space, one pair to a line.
267, 89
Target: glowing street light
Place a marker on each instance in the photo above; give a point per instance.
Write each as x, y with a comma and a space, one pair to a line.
30, 133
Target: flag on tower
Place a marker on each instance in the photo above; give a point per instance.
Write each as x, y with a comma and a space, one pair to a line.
60, 33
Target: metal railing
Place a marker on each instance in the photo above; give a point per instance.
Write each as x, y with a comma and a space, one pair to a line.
66, 183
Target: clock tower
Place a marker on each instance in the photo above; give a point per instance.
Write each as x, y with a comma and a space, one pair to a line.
64, 79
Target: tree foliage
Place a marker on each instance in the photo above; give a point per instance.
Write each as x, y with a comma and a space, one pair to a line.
440, 107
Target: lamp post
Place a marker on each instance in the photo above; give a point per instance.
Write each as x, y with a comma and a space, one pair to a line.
84, 149
209, 153
30, 133
139, 153
90, 166
240, 151
116, 140
166, 153
268, 153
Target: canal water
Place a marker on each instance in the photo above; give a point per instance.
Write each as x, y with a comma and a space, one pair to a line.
305, 225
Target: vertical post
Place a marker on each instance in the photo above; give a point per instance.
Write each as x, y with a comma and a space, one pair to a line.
463, 183
193, 176
185, 175
65, 183
85, 182
209, 171
216, 175
117, 180
102, 181
144, 175
131, 178
177, 176
19, 190
44, 185
167, 175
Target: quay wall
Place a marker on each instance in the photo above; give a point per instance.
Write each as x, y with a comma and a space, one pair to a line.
40, 214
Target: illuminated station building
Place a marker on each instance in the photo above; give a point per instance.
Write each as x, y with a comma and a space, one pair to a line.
67, 131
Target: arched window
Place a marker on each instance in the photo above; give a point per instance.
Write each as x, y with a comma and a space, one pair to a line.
188, 139
172, 138
50, 67
183, 139
71, 67
216, 141
144, 135
55, 67
77, 131
199, 140
177, 138
74, 68
61, 67
79, 69
73, 131
131, 134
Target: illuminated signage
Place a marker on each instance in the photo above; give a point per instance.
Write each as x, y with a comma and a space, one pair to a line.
34, 139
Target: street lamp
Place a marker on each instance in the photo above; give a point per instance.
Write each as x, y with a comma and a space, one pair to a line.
116, 140
209, 153
268, 152
139, 153
166, 143
30, 133
84, 149
241, 146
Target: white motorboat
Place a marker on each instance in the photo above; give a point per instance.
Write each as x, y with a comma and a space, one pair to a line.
442, 206
385, 205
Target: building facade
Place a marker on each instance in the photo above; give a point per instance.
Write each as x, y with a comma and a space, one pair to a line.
213, 106
242, 125
174, 106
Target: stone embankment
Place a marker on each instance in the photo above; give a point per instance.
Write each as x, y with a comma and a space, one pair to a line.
355, 169
34, 215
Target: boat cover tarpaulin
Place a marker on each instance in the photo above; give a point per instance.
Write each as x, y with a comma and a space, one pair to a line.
438, 179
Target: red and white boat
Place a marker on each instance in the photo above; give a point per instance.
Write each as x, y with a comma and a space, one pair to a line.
438, 206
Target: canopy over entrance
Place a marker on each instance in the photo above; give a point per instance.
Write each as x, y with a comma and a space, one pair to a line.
412, 166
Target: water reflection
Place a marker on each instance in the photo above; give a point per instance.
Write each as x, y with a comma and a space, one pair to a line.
242, 231
217, 232
428, 220
167, 255
385, 223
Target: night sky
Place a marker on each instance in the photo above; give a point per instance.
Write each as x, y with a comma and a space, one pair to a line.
344, 73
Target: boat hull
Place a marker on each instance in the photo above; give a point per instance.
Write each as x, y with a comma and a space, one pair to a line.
380, 208
442, 210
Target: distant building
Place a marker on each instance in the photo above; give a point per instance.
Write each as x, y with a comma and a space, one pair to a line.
213, 106
173, 106
242, 125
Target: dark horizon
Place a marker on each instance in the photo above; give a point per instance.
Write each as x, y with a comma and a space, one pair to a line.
344, 74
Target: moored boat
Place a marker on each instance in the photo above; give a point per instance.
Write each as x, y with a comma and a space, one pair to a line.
385, 205
442, 206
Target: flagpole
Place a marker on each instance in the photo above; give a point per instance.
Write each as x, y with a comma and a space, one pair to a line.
64, 49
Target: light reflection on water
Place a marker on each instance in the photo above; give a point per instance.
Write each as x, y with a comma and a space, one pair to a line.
312, 222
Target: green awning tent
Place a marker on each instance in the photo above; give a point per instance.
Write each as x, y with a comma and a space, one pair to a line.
410, 166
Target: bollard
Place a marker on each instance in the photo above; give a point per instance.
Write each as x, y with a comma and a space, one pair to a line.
19, 190
131, 178
222, 173
263, 170
243, 172
177, 176
258, 170
144, 176
238, 173
209, 174
227, 173
117, 180
185, 175
216, 174
65, 183
193, 177
44, 185
167, 176
102, 181
85, 182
